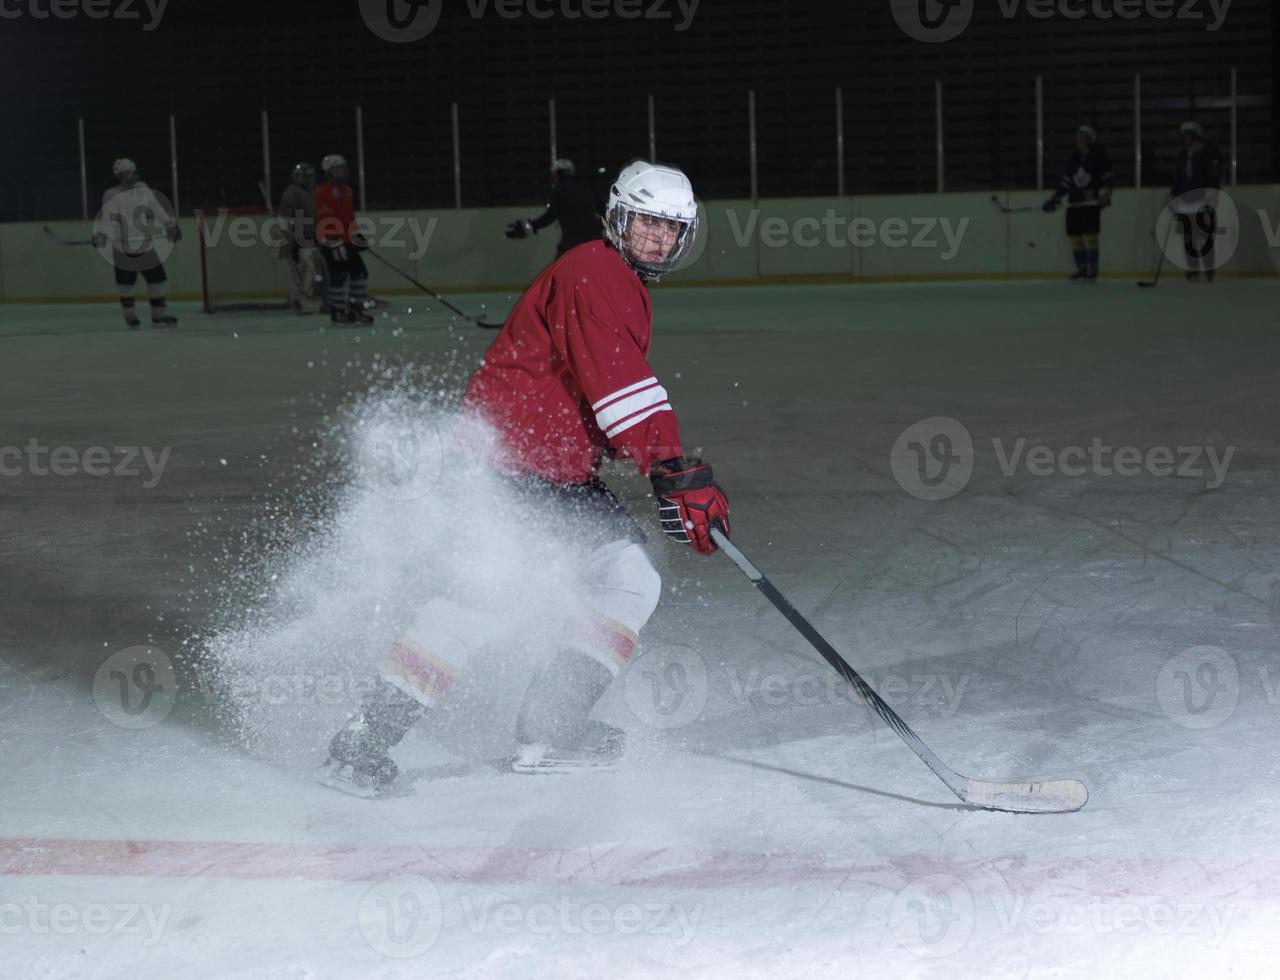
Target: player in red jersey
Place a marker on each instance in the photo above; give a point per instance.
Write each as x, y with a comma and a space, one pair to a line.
565, 384
341, 244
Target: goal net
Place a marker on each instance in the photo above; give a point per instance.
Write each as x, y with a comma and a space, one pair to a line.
240, 266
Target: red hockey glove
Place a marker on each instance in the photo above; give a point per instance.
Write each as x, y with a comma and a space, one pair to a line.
689, 502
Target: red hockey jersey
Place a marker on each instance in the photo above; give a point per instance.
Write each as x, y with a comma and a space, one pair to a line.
567, 379
335, 212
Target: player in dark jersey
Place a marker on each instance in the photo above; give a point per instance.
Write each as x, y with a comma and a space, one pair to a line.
573, 203
565, 384
1087, 183
1197, 172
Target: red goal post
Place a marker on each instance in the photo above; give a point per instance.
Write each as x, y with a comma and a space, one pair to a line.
240, 266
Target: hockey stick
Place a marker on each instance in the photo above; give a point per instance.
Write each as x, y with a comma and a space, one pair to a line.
998, 203
1154, 281
61, 241
480, 322
1047, 796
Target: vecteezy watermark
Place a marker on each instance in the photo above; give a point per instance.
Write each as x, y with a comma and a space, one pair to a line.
933, 459
386, 232
1100, 916
406, 21
1199, 688
39, 918
304, 687
136, 687
834, 230
37, 459
1213, 11
936, 21
567, 917
808, 690
666, 687
1200, 230
89, 9
933, 916
401, 917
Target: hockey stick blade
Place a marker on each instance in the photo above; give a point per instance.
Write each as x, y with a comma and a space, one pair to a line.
1046, 796
62, 241
1008, 210
1049, 796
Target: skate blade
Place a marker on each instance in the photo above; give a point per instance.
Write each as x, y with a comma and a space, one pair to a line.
331, 773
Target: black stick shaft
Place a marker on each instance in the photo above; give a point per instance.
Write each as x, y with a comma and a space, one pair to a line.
428, 290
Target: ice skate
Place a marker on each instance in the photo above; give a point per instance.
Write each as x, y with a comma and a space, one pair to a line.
599, 751
360, 760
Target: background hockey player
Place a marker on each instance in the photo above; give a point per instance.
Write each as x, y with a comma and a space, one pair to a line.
1198, 171
573, 203
341, 244
566, 382
298, 217
1087, 183
131, 212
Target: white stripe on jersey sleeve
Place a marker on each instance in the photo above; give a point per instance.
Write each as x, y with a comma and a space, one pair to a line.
614, 413
625, 424
651, 380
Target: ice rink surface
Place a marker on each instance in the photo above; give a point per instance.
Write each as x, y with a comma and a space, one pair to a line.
1046, 603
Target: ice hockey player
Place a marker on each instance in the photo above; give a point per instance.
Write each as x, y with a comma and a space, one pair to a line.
127, 222
573, 204
566, 382
1087, 183
298, 215
341, 245
1197, 172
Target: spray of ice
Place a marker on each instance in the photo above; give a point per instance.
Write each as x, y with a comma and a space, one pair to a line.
416, 512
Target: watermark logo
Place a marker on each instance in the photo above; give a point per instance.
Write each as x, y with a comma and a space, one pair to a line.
933, 458
667, 688
1199, 688
136, 687
401, 21
933, 916
402, 461
932, 21
1200, 230
401, 917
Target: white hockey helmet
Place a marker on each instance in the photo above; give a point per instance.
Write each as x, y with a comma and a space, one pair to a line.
1089, 132
123, 166
1192, 127
652, 189
332, 162
563, 165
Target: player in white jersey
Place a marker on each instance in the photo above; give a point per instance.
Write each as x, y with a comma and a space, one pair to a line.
131, 212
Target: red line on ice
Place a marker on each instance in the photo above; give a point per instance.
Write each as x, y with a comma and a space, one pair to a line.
622, 867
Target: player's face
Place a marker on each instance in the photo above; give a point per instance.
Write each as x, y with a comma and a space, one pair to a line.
128, 178
1082, 142
651, 238
340, 173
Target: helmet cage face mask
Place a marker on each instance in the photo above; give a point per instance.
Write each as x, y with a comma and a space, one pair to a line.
620, 230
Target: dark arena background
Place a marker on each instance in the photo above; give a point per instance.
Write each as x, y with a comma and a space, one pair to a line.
365, 611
